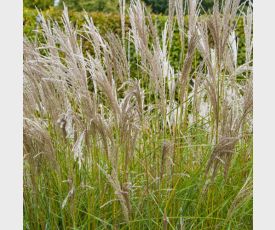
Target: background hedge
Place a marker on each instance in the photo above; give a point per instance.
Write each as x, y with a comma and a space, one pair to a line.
111, 22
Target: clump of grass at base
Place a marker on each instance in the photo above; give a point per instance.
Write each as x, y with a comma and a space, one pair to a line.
106, 147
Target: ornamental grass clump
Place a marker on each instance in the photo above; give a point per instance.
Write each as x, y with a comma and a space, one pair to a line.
115, 140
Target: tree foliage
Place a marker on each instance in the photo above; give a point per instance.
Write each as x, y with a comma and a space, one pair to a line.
157, 6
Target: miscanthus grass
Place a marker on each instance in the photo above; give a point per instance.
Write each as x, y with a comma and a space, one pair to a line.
114, 140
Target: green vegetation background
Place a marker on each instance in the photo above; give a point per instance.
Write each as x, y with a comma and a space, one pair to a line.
157, 6
111, 22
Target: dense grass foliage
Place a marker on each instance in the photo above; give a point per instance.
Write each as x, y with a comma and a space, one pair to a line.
123, 132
